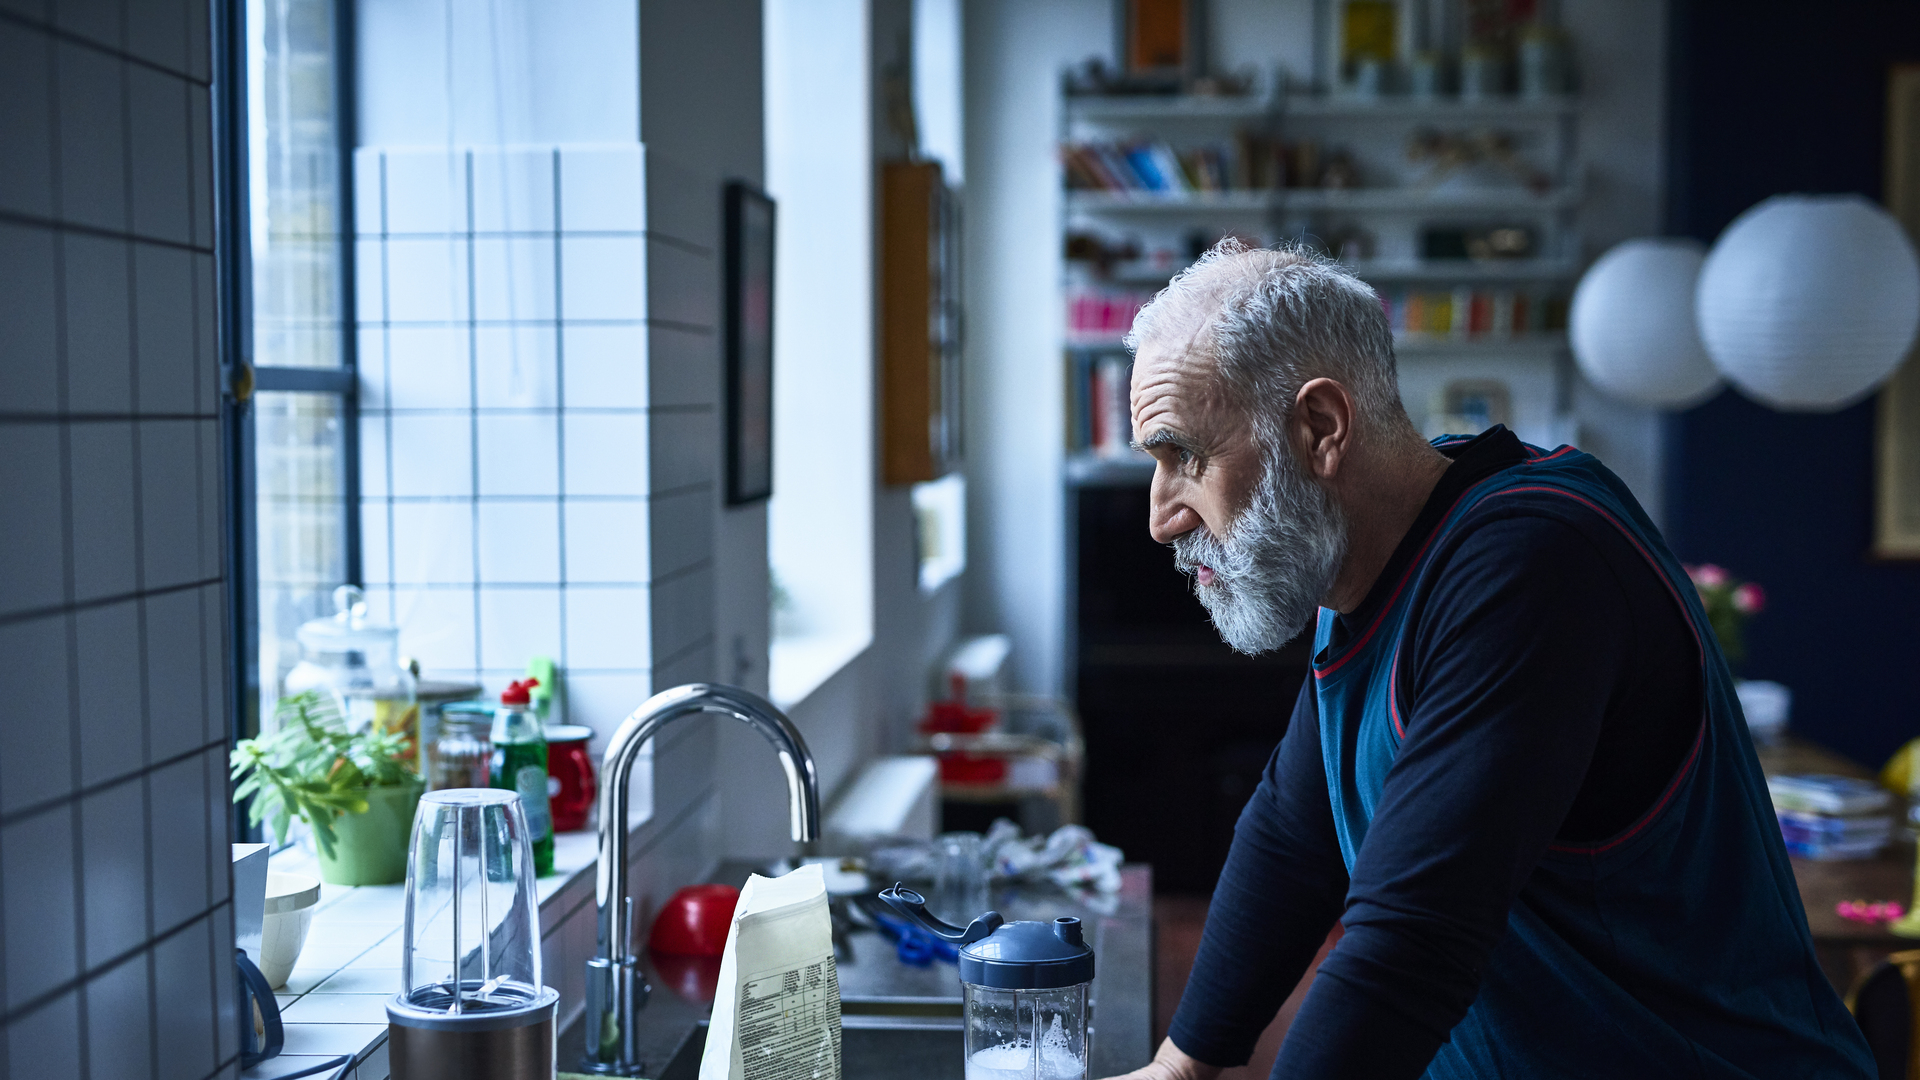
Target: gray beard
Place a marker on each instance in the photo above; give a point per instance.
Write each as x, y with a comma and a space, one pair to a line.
1275, 564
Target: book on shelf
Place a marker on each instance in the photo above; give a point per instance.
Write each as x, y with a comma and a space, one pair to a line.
1110, 418
1465, 312
1249, 162
1102, 315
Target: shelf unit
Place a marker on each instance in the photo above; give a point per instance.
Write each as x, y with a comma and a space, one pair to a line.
1534, 187
1159, 108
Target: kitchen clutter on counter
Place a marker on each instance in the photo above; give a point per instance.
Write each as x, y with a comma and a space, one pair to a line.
1069, 857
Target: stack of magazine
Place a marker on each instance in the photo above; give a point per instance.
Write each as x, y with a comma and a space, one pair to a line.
1832, 817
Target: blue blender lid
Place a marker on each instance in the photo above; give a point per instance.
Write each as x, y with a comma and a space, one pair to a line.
1029, 956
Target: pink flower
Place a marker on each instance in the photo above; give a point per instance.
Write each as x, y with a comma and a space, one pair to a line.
1749, 599
1708, 576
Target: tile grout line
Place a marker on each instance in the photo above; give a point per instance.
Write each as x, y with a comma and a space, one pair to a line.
63, 399
473, 406
560, 402
386, 376
59, 226
14, 817
140, 605
112, 600
66, 37
79, 982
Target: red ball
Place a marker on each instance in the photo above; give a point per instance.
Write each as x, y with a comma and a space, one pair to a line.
695, 921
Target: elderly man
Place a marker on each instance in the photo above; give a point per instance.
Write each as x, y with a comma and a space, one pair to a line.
1519, 777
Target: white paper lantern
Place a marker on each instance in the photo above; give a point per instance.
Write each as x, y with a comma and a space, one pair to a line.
1632, 327
1809, 302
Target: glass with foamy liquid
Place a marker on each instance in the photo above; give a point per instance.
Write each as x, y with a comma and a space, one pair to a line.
1026, 987
1026, 1034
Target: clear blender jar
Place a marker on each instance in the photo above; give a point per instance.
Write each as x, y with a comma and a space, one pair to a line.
471, 1004
1025, 985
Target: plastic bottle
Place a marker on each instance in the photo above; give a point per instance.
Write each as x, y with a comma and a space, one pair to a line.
520, 765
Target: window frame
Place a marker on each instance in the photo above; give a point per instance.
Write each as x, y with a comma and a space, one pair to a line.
240, 379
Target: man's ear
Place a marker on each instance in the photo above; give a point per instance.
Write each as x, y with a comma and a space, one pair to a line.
1322, 427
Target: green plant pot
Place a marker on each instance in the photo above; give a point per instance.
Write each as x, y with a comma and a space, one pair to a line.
371, 848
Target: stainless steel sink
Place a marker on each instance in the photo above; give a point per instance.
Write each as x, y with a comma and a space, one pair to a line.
866, 1053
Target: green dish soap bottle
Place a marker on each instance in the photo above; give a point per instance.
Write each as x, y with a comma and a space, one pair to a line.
520, 765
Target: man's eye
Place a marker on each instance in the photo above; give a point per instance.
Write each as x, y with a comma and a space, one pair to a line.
1185, 456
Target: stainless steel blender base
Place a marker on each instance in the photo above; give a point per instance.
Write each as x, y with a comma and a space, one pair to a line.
516, 1046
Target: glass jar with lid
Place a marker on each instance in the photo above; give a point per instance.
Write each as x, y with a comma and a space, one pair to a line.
358, 661
461, 754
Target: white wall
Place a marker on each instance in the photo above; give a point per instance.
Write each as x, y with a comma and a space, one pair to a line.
867, 707
820, 174
1015, 50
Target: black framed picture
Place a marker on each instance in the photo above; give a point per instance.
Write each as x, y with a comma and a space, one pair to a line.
749, 343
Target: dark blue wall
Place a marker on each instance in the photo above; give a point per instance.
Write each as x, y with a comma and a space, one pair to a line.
1766, 98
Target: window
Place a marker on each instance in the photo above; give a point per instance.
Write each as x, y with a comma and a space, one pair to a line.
819, 170
298, 468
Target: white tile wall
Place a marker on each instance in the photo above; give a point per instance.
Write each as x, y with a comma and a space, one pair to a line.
113, 794
518, 366
26, 175
513, 190
99, 334
606, 366
116, 869
513, 278
606, 453
509, 458
27, 308
126, 1048
424, 367
519, 542
38, 764
518, 453
601, 189
603, 277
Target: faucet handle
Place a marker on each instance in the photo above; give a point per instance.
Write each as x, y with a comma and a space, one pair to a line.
914, 906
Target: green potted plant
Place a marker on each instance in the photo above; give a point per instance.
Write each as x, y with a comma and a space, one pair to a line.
356, 791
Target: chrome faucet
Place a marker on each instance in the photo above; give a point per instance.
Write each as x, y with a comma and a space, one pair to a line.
616, 990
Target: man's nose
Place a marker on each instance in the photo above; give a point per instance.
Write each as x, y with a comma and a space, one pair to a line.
1168, 517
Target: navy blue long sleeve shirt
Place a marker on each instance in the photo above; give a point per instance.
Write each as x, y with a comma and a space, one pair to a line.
1553, 692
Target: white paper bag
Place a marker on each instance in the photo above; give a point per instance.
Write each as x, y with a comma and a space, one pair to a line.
776, 1012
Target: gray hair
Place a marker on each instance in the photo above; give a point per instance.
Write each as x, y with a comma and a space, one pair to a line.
1272, 320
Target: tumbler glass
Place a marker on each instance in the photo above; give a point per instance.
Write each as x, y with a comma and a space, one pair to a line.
959, 876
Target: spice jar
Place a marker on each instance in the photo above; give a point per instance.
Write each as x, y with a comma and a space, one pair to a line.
462, 752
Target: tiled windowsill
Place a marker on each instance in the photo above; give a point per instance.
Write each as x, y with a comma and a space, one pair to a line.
335, 1002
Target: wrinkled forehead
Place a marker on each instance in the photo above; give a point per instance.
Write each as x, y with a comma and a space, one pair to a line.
1176, 385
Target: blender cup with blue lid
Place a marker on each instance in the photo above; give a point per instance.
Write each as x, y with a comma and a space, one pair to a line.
1025, 985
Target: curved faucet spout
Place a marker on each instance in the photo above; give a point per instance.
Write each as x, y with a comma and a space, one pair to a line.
615, 992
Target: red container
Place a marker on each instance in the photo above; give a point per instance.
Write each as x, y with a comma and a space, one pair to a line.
694, 921
571, 765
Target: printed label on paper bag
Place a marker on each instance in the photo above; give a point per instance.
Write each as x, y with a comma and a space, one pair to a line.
788, 1023
776, 1012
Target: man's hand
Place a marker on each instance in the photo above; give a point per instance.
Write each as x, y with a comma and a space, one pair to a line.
1171, 1063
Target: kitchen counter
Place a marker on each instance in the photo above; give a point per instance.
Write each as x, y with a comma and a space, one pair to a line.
878, 991
334, 1004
